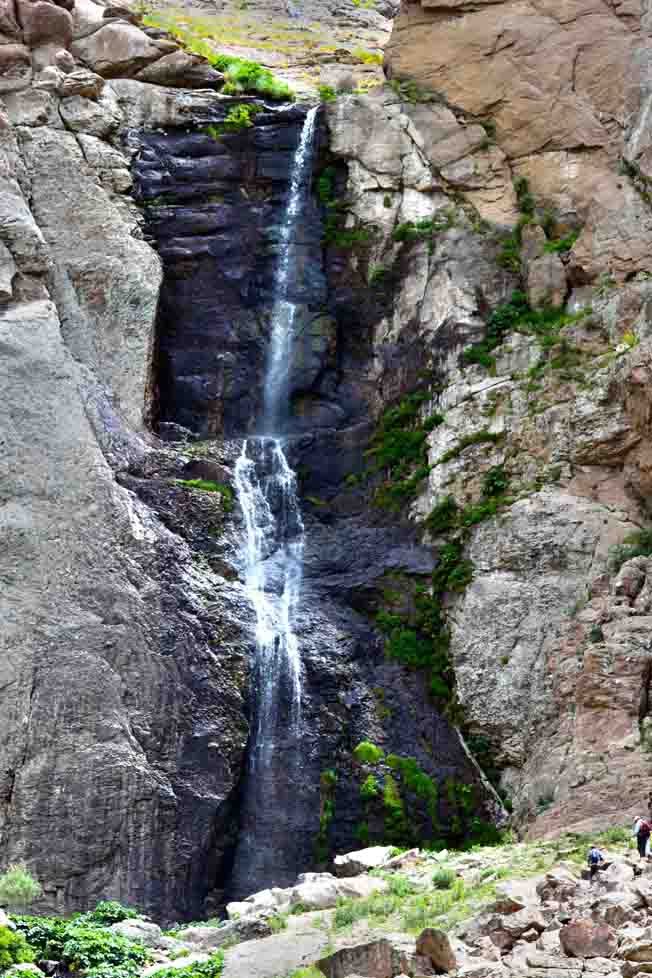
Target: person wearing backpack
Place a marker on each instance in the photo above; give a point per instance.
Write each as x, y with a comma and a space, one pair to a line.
595, 859
641, 832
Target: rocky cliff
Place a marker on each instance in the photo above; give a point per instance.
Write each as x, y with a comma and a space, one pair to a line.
470, 428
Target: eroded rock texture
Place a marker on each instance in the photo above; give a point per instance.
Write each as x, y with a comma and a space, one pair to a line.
534, 636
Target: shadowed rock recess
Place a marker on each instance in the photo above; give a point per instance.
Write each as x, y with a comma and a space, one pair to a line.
470, 427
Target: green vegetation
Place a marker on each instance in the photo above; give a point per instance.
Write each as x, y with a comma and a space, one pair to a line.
443, 878
18, 888
410, 91
109, 912
14, 949
399, 450
367, 57
561, 245
517, 316
207, 485
369, 788
240, 74
326, 93
327, 785
84, 942
368, 753
205, 969
91, 947
482, 437
638, 544
426, 229
238, 117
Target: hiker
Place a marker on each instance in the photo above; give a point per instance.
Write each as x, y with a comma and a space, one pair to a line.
596, 861
641, 832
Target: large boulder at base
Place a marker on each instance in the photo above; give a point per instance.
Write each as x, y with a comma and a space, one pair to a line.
143, 931
376, 959
315, 891
588, 939
44, 23
117, 50
435, 945
182, 70
513, 895
15, 67
237, 931
560, 883
354, 863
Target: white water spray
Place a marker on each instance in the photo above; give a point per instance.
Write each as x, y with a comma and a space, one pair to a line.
272, 558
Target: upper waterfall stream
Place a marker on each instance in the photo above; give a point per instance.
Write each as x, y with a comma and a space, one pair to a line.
272, 563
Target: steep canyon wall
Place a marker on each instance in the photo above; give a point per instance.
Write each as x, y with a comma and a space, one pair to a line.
126, 638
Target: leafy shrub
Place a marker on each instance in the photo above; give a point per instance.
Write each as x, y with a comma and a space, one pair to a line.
369, 788
368, 753
45, 934
18, 888
559, 245
495, 481
482, 437
443, 516
637, 544
443, 878
326, 93
14, 949
91, 947
109, 971
524, 199
109, 912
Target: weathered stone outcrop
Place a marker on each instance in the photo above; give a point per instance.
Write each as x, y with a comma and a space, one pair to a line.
563, 97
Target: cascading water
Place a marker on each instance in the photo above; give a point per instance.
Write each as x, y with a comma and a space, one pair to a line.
272, 565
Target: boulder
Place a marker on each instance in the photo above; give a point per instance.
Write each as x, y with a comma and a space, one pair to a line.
236, 931
375, 959
588, 939
83, 82
9, 26
617, 875
15, 67
616, 907
88, 17
435, 945
143, 931
181, 70
637, 949
117, 49
44, 23
513, 895
354, 863
560, 883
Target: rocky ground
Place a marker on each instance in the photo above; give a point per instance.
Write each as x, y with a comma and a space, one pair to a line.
513, 910
305, 42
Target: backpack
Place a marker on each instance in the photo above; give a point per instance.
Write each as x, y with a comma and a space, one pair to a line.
595, 857
644, 829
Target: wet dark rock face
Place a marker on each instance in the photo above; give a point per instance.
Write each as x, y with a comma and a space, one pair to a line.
214, 210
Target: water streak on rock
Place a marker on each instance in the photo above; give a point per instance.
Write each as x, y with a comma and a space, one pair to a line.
272, 566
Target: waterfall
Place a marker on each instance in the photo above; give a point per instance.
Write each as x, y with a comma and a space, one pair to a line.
272, 566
